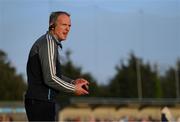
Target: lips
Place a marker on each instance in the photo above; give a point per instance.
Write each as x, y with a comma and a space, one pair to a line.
65, 33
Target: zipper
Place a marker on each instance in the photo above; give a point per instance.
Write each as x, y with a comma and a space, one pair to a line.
49, 94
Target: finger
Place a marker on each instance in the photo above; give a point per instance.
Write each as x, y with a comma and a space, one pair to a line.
80, 80
87, 87
85, 81
85, 92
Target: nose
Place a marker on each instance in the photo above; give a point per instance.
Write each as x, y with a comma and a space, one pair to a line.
68, 28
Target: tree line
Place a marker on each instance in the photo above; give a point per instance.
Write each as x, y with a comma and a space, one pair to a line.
133, 79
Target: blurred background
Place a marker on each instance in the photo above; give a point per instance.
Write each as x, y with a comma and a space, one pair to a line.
127, 49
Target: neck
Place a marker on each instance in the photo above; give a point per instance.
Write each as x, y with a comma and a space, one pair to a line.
54, 35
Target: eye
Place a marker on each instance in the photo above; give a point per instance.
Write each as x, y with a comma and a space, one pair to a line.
66, 25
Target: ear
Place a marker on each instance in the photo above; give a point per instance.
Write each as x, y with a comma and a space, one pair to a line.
51, 26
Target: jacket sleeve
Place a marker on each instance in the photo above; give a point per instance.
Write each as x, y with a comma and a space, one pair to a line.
67, 79
48, 57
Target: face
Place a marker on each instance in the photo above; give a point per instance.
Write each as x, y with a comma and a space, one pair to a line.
62, 27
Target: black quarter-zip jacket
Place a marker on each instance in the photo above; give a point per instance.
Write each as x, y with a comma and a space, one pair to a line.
44, 71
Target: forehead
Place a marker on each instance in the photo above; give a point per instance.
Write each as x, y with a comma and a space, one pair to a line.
63, 18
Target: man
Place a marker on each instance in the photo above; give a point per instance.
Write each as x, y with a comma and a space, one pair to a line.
44, 71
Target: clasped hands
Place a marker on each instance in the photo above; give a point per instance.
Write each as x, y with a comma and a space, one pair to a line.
81, 86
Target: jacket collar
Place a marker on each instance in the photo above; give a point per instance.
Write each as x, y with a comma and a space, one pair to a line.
58, 42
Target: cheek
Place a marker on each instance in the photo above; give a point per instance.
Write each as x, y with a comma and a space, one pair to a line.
58, 31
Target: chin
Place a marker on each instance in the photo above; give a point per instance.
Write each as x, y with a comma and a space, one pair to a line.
63, 39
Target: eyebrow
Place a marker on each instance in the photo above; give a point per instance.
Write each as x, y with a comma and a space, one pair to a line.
67, 24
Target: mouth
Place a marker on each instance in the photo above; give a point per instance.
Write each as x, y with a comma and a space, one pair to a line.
65, 33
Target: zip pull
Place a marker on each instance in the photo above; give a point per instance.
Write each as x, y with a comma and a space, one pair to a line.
49, 94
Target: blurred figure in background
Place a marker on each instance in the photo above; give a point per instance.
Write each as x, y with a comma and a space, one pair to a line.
166, 115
